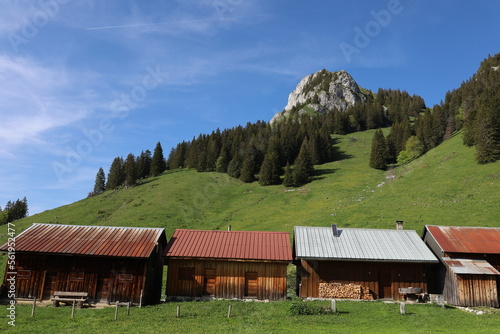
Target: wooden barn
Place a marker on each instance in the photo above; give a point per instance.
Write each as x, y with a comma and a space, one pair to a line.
356, 263
470, 263
109, 263
228, 264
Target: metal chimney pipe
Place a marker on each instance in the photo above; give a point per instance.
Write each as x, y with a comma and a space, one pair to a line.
228, 228
335, 231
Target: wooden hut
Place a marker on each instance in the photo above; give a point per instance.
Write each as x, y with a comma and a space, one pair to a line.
228, 264
470, 263
355, 263
109, 263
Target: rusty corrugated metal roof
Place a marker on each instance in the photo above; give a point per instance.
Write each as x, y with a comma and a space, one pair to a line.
246, 245
460, 239
88, 240
470, 267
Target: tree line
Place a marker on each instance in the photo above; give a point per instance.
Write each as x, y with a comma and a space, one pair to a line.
282, 153
474, 108
286, 151
14, 211
126, 172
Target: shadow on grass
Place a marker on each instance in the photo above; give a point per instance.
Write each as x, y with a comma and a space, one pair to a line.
319, 174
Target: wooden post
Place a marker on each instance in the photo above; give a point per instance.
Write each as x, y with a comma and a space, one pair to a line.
73, 310
334, 306
178, 311
116, 311
140, 299
33, 308
402, 308
128, 308
229, 311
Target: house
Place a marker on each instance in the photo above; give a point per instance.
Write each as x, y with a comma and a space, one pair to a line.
109, 263
469, 274
359, 263
228, 264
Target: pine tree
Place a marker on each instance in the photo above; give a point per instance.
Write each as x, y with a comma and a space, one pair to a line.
130, 171
247, 169
116, 175
143, 164
223, 160
100, 182
488, 131
288, 180
378, 154
270, 171
158, 164
303, 165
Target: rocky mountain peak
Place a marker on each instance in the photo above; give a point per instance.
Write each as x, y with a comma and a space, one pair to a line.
320, 92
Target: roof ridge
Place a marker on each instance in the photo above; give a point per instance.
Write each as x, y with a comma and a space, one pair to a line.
100, 226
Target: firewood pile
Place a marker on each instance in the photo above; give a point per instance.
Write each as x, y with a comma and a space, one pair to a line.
344, 291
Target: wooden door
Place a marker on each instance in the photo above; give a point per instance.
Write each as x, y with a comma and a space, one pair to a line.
209, 282
251, 284
385, 284
103, 288
49, 285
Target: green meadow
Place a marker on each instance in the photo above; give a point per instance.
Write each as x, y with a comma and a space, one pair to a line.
443, 187
256, 317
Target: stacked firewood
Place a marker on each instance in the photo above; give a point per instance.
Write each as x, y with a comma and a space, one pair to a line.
344, 291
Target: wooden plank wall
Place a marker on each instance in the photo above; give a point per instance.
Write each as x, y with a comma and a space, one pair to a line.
105, 279
367, 274
229, 278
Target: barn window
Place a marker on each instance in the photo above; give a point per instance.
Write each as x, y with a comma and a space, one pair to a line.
186, 273
76, 277
24, 273
125, 278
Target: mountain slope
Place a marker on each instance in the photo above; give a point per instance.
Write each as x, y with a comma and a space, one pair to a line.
445, 186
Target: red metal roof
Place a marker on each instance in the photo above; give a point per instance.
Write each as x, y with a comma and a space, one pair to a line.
88, 240
457, 239
248, 245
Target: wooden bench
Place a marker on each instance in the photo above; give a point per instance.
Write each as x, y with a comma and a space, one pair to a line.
69, 297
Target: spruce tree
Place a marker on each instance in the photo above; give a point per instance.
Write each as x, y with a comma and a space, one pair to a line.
247, 169
223, 160
116, 175
100, 182
270, 171
488, 131
158, 164
288, 179
143, 164
130, 171
378, 154
303, 165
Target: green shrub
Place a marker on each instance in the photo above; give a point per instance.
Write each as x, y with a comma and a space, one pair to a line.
299, 307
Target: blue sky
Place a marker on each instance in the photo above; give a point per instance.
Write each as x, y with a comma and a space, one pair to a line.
85, 81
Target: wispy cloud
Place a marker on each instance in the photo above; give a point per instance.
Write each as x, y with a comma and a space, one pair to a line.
37, 99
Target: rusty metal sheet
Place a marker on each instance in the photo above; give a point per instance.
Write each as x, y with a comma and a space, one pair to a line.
460, 239
250, 245
470, 267
88, 240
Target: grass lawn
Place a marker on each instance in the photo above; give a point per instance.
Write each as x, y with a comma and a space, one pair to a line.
256, 317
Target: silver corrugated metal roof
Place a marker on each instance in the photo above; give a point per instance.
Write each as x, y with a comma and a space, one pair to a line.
361, 245
470, 267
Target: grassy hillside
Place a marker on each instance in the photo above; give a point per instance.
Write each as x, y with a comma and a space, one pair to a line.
445, 187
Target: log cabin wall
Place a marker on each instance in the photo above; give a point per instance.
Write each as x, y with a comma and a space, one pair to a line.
105, 279
383, 279
226, 279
